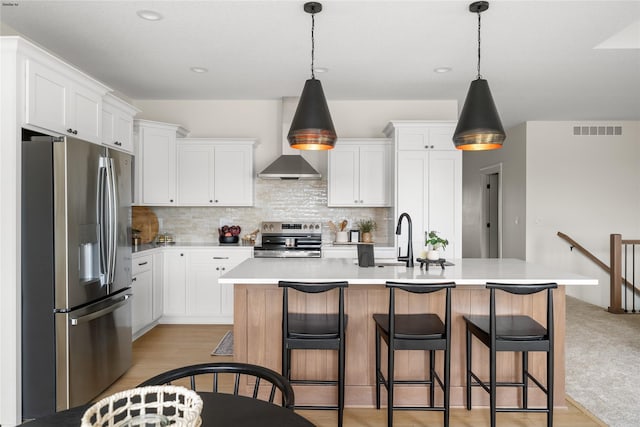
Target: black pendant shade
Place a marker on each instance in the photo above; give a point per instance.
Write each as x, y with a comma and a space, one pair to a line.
312, 127
479, 126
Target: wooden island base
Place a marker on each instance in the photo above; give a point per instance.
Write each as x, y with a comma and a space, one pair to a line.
257, 339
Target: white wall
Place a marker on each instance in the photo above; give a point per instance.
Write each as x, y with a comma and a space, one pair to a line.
512, 159
586, 187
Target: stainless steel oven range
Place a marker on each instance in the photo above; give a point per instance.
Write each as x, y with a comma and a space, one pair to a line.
301, 239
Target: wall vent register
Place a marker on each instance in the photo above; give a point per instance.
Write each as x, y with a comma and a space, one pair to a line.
597, 130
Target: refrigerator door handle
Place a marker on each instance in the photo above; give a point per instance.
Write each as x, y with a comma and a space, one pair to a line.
113, 219
96, 314
102, 221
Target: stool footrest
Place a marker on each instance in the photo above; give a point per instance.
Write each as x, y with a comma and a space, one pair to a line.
312, 408
419, 408
317, 382
542, 410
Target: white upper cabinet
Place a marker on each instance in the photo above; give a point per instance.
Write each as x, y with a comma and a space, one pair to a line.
117, 123
422, 135
155, 162
63, 100
215, 172
428, 183
359, 173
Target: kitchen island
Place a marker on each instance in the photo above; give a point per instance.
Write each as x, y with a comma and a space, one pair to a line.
258, 317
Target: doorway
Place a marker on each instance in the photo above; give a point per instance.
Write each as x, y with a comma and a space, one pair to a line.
491, 212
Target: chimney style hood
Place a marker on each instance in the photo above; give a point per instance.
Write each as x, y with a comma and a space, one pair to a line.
290, 164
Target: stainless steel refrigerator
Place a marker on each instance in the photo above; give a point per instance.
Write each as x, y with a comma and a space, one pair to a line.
76, 271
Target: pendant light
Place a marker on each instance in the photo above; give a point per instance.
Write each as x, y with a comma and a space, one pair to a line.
479, 126
312, 127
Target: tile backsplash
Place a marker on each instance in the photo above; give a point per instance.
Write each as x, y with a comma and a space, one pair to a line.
275, 200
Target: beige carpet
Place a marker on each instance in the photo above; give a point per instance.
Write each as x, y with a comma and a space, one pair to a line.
225, 346
603, 362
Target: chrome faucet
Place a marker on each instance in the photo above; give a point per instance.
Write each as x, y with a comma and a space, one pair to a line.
409, 257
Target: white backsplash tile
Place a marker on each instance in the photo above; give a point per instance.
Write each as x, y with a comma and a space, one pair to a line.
275, 200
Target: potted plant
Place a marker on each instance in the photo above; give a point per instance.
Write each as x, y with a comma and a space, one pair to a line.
366, 226
435, 242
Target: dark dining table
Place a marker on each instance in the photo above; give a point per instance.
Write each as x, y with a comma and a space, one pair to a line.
218, 409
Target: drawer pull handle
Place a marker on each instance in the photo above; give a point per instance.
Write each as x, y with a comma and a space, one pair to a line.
220, 257
143, 263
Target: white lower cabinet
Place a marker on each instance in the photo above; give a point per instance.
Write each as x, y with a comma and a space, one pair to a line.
142, 289
192, 292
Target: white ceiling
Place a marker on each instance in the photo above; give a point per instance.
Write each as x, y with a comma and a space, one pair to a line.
540, 57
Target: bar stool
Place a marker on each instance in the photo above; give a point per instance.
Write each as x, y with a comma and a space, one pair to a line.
517, 333
309, 331
415, 332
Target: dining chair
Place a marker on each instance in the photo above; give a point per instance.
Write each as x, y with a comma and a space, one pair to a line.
417, 331
311, 331
213, 377
516, 333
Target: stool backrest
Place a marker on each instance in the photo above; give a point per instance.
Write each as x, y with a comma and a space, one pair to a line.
524, 289
312, 288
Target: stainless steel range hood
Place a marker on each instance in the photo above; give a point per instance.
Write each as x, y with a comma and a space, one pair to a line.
290, 164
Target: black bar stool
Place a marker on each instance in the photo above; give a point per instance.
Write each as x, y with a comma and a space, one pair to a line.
309, 331
415, 332
512, 333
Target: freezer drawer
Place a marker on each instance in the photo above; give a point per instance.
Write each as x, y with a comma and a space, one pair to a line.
93, 349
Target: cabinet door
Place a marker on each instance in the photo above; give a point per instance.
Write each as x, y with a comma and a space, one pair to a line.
108, 125
141, 306
412, 195
233, 176
85, 114
203, 287
175, 284
427, 137
445, 199
374, 175
344, 176
124, 132
46, 99
158, 285
195, 175
157, 155
235, 257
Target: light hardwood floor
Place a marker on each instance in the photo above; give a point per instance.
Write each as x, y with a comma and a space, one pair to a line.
169, 346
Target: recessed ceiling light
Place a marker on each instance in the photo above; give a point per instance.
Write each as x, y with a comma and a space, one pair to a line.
199, 69
442, 69
149, 15
321, 69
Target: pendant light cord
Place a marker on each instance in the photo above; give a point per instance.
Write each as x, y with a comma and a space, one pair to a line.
479, 75
313, 44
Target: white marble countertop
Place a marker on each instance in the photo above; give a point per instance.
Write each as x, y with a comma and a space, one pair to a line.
468, 271
192, 245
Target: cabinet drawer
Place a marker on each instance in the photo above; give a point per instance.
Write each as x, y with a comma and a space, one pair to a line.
141, 263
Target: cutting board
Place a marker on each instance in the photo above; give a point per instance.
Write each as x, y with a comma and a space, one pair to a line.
143, 219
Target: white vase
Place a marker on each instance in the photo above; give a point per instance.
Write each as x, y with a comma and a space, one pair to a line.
433, 255
342, 237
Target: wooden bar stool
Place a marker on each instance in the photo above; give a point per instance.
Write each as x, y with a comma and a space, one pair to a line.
309, 331
415, 332
512, 333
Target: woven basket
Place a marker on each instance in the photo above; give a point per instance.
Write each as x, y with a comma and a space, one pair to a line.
177, 405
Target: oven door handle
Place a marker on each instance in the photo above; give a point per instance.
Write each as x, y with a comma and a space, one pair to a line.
75, 321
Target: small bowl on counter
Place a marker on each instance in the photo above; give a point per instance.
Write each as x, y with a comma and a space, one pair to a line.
228, 239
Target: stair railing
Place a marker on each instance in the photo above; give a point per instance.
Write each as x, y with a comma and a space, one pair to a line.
619, 285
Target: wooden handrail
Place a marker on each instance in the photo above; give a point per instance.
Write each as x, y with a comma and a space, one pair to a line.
615, 296
584, 251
